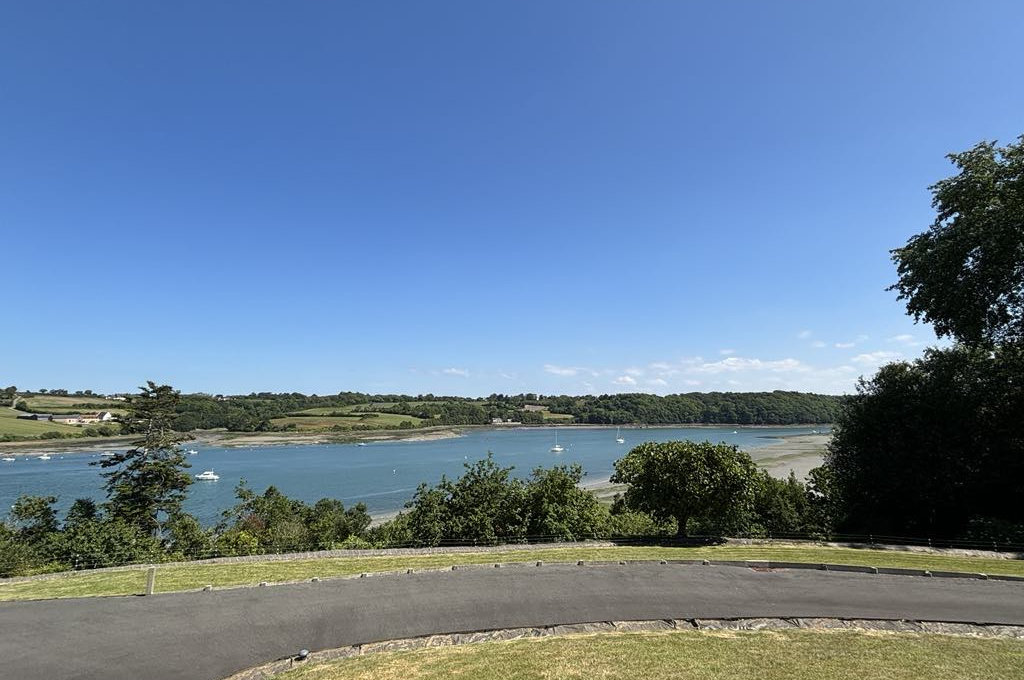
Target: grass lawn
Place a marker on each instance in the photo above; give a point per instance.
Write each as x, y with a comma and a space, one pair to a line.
196, 575
10, 424
697, 655
556, 417
62, 404
321, 411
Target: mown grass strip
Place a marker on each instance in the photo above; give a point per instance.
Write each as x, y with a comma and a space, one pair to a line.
199, 574
722, 655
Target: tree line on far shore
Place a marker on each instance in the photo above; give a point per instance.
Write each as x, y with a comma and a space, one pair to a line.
256, 412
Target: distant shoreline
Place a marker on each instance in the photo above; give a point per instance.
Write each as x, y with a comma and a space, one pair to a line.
261, 439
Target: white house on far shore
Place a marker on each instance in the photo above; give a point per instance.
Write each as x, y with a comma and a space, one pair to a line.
71, 418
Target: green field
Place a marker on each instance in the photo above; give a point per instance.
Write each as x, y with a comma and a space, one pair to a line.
319, 423
327, 410
52, 403
385, 419
10, 424
198, 574
696, 655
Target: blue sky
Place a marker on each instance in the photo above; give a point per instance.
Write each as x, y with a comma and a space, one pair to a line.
467, 197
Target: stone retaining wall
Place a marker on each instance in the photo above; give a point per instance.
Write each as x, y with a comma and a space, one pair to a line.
508, 547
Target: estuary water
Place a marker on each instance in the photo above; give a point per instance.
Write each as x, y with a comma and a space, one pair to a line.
383, 475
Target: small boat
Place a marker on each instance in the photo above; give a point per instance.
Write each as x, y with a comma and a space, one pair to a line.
43, 457
191, 452
209, 476
107, 454
556, 448
8, 459
618, 437
361, 444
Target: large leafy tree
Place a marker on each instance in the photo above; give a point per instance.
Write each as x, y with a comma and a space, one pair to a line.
556, 507
485, 504
965, 274
35, 516
146, 484
933, 447
273, 522
488, 504
712, 483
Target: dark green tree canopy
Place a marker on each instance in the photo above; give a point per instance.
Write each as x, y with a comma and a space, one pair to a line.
488, 504
35, 515
965, 275
933, 447
273, 522
688, 480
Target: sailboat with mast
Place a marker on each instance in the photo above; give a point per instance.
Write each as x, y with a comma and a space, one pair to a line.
618, 437
557, 448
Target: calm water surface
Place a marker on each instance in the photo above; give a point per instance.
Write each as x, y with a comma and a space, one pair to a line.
383, 475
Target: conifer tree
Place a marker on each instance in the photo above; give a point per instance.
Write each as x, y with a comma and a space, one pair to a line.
146, 484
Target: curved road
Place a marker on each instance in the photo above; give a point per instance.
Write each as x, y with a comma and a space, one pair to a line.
210, 635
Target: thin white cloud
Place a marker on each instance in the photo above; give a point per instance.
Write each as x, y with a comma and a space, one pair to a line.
732, 372
852, 343
876, 358
734, 364
905, 339
461, 372
804, 335
561, 370
753, 373
726, 352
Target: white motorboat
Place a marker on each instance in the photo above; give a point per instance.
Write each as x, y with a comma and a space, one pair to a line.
556, 448
191, 452
361, 444
8, 459
43, 457
208, 475
618, 437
